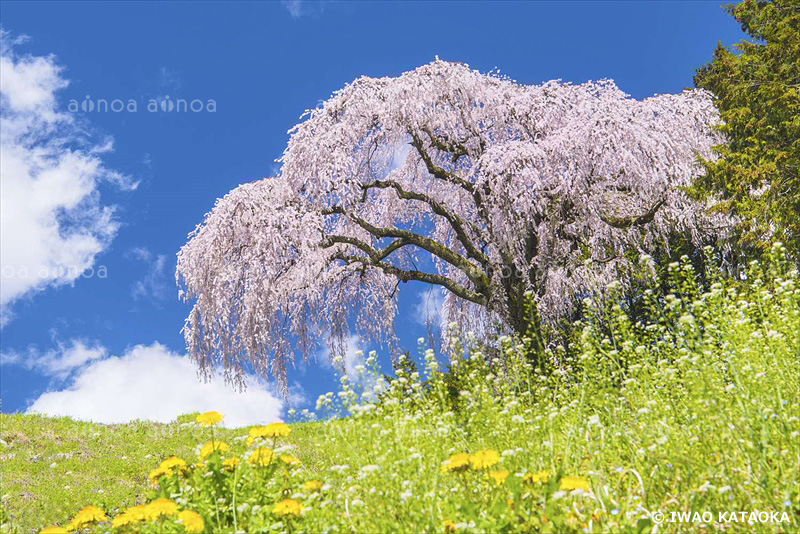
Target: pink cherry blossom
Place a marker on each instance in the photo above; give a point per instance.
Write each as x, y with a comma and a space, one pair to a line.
444, 175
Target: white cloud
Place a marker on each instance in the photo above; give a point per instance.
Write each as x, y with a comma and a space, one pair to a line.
353, 355
169, 80
302, 8
149, 382
295, 7
428, 309
52, 223
154, 285
58, 363
399, 156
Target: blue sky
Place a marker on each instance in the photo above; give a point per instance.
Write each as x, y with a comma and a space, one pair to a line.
107, 346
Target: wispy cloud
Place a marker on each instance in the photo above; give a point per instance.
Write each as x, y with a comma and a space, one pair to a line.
428, 309
52, 222
169, 80
302, 8
150, 382
57, 363
295, 7
154, 284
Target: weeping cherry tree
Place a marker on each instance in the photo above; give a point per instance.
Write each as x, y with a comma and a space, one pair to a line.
484, 187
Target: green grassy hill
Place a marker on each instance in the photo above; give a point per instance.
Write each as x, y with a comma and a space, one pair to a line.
694, 412
51, 467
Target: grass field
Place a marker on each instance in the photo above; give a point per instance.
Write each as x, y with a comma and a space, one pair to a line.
51, 467
694, 412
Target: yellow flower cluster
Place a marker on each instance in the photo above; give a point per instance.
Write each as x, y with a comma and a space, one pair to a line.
456, 463
484, 459
130, 516
162, 508
211, 446
230, 463
261, 457
567, 483
498, 476
273, 430
152, 511
312, 485
289, 460
209, 418
84, 518
155, 511
167, 469
287, 507
537, 477
191, 520
463, 461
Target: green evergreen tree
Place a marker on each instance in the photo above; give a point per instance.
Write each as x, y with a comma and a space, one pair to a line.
757, 90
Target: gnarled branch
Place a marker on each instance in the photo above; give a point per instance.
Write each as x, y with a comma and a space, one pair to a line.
476, 276
420, 276
624, 223
456, 223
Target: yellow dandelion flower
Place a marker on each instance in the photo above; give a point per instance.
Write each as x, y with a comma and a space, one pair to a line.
192, 521
198, 465
289, 459
261, 456
448, 526
537, 477
498, 476
230, 463
121, 520
159, 472
570, 482
173, 462
86, 516
273, 430
278, 430
137, 513
456, 463
209, 418
257, 432
159, 508
287, 507
55, 529
313, 485
212, 446
131, 515
484, 459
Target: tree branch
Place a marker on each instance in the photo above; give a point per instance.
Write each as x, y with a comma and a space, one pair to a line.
407, 275
443, 174
445, 144
455, 222
374, 255
476, 276
635, 220
438, 172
